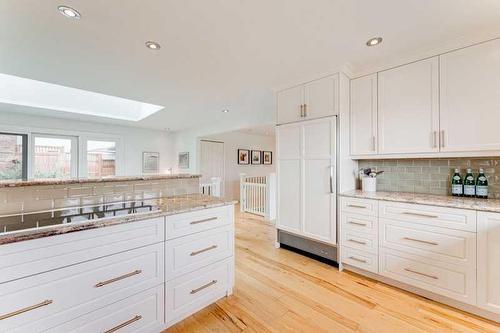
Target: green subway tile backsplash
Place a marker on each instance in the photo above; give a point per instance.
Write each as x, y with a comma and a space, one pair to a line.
431, 175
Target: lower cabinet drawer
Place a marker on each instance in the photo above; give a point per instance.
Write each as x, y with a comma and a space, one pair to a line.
192, 292
360, 241
189, 253
360, 259
454, 281
35, 303
141, 313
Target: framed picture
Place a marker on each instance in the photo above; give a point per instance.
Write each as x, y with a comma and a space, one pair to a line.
150, 162
184, 160
256, 157
267, 157
243, 156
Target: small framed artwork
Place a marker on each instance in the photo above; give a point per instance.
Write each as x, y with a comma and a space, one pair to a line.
243, 156
256, 157
184, 160
150, 162
267, 157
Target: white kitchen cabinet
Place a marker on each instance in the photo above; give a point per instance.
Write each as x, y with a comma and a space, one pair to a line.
408, 108
316, 99
488, 259
290, 104
470, 102
320, 98
306, 179
363, 114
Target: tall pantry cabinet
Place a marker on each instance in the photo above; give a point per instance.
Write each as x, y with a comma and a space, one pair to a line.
311, 138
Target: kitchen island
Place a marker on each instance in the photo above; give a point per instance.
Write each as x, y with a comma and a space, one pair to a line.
143, 271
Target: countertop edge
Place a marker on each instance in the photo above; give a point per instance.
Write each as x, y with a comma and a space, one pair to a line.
482, 205
43, 182
31, 234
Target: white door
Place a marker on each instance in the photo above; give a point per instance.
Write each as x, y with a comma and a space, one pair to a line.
364, 115
212, 162
289, 103
470, 98
320, 98
488, 259
318, 196
289, 177
408, 108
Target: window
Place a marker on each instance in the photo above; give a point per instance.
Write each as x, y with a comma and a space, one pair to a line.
13, 156
54, 156
101, 158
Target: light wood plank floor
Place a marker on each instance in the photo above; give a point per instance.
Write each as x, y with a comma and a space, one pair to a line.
280, 291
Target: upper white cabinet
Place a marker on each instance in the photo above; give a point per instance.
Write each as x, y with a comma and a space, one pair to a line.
488, 257
313, 100
408, 108
470, 98
364, 115
306, 179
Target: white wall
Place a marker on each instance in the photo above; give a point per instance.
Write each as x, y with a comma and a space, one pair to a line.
242, 140
133, 140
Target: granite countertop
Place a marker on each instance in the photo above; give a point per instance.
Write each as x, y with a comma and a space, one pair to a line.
35, 182
166, 206
486, 205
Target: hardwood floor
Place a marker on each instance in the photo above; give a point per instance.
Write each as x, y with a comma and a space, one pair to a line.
280, 291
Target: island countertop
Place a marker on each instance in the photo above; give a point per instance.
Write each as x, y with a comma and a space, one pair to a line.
166, 206
68, 181
485, 205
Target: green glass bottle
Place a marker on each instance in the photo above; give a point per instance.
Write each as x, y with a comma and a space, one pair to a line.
469, 184
481, 185
457, 185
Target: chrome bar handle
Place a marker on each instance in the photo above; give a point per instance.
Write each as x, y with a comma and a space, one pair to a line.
423, 274
442, 139
194, 291
331, 179
27, 309
357, 259
357, 241
421, 215
195, 253
305, 110
116, 279
124, 324
203, 221
420, 241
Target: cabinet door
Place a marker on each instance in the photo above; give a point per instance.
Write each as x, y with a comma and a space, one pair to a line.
320, 98
289, 103
470, 99
318, 194
364, 115
289, 175
488, 257
408, 115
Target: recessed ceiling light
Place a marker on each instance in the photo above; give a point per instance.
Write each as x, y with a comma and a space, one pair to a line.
69, 12
225, 111
374, 41
153, 45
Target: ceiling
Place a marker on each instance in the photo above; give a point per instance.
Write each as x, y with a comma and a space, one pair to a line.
222, 54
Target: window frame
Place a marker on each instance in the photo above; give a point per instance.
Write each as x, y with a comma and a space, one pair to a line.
74, 162
25, 162
84, 152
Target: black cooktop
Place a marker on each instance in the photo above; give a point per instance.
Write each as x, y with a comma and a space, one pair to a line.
71, 215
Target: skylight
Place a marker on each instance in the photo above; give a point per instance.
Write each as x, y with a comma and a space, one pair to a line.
20, 91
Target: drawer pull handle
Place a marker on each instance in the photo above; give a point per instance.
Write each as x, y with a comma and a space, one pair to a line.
423, 274
211, 283
195, 253
104, 283
357, 241
358, 223
421, 215
27, 309
124, 324
420, 241
356, 206
357, 259
203, 221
